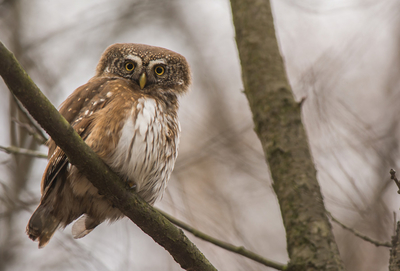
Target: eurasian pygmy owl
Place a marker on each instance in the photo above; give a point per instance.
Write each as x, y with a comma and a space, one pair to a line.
127, 113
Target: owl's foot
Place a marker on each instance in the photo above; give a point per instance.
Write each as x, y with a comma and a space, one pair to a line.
83, 226
131, 184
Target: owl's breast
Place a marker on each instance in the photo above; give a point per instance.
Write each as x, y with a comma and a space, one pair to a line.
145, 153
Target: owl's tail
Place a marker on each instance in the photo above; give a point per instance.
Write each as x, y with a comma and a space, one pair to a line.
42, 225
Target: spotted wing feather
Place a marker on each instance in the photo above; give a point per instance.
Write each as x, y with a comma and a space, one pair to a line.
73, 110
43, 223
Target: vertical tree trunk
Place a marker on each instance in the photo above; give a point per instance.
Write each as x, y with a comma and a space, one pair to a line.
277, 118
394, 262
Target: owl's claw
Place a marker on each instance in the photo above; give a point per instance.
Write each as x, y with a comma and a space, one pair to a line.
131, 184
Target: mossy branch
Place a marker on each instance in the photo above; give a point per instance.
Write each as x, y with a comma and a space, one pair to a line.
107, 182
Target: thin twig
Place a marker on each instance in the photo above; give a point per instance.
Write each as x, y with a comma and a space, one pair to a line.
16, 150
394, 178
360, 235
33, 128
239, 250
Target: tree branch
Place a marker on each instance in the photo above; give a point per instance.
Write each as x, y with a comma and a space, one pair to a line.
360, 235
33, 127
107, 182
277, 118
394, 261
16, 150
239, 250
394, 178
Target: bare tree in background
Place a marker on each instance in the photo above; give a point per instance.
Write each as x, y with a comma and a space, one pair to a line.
12, 197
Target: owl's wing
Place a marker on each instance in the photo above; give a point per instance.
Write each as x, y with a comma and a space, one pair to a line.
71, 108
78, 109
59, 160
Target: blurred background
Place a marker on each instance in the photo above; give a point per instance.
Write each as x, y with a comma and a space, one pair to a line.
341, 56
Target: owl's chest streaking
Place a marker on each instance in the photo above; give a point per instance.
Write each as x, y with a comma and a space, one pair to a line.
147, 148
136, 134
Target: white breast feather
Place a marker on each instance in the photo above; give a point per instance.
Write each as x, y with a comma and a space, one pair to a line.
141, 142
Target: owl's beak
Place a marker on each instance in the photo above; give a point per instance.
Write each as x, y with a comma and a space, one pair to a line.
142, 80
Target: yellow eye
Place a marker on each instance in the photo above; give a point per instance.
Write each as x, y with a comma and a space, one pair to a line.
159, 70
129, 66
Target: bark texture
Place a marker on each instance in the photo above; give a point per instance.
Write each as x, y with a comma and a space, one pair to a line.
277, 119
394, 262
108, 183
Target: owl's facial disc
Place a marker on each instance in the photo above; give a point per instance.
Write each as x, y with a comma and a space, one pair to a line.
151, 69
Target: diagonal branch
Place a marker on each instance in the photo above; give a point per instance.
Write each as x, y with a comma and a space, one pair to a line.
358, 234
107, 182
32, 128
239, 250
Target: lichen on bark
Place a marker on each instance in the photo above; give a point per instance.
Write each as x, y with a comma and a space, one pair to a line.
277, 120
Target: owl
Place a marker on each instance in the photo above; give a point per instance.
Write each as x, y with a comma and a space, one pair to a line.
127, 113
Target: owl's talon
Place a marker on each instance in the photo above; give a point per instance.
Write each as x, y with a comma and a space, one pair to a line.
131, 184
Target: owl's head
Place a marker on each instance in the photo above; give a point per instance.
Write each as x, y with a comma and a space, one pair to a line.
151, 68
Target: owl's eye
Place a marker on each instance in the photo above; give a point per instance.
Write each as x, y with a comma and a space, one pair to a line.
159, 70
129, 66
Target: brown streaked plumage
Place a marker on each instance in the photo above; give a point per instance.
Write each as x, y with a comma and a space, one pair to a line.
127, 113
